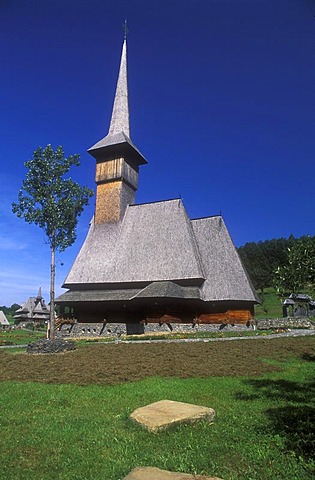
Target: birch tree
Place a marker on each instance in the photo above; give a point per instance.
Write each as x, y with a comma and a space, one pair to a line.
54, 203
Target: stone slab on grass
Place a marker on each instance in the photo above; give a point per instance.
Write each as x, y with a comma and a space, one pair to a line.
151, 473
162, 414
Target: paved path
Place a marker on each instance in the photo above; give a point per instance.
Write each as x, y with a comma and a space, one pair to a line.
293, 333
13, 346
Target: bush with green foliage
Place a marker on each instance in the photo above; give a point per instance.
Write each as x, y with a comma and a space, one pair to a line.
298, 272
288, 264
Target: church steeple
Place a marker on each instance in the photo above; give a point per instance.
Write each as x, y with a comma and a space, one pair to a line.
120, 115
117, 159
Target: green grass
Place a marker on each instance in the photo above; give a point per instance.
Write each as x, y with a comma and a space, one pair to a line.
19, 336
184, 335
271, 306
263, 428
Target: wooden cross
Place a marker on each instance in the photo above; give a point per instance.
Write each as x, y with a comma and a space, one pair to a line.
125, 29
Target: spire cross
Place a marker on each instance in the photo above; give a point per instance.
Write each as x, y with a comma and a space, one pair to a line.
125, 29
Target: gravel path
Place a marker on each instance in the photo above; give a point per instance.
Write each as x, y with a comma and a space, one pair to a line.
292, 333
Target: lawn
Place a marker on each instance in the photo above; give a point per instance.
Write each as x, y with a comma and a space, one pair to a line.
271, 306
66, 416
19, 336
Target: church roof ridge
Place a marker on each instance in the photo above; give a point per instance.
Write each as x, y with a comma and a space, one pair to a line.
206, 217
167, 289
156, 201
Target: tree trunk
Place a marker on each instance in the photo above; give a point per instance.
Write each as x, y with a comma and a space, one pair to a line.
262, 293
51, 326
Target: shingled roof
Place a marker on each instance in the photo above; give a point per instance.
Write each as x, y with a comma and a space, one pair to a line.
157, 242
100, 295
225, 276
167, 290
154, 242
34, 308
3, 319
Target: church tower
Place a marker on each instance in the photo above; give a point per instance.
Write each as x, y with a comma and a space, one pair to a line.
117, 159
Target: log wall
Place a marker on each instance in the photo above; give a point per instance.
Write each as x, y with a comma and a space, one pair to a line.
231, 316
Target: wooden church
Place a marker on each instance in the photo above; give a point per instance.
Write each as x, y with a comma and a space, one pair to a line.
143, 263
34, 311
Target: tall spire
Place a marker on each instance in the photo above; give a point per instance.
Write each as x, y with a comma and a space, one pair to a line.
117, 158
120, 114
118, 137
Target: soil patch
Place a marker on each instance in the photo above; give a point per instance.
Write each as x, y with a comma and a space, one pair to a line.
105, 364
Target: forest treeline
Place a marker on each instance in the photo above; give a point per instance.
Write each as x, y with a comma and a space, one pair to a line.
10, 311
288, 264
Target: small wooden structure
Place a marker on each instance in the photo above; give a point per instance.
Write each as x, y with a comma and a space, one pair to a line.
298, 305
4, 322
33, 311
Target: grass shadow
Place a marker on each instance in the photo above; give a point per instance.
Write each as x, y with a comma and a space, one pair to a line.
308, 357
292, 414
296, 425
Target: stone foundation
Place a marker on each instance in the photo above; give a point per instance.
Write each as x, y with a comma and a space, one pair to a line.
92, 330
78, 330
117, 329
285, 323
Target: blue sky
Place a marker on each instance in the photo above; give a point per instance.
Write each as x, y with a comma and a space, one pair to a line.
222, 104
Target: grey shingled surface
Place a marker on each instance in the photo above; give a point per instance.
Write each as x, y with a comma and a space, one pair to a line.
119, 129
226, 278
3, 319
157, 242
167, 290
97, 255
98, 295
153, 242
116, 140
153, 290
120, 115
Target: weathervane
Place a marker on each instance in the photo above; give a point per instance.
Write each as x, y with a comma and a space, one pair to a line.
125, 29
